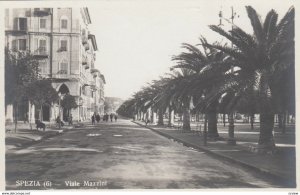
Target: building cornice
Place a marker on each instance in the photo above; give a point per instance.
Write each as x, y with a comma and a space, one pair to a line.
94, 43
87, 14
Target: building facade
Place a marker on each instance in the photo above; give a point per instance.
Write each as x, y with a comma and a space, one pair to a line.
61, 41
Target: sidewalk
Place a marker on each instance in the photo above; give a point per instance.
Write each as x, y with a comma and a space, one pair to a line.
280, 166
25, 136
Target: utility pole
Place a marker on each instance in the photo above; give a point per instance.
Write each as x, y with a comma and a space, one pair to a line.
231, 140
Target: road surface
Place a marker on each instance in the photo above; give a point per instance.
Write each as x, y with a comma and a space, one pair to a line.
121, 155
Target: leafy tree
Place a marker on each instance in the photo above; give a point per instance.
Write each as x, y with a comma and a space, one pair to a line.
68, 103
41, 93
21, 69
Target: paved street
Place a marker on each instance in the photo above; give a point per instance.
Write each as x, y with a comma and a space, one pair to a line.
122, 155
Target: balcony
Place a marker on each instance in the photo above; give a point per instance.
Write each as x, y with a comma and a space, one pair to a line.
63, 76
42, 12
41, 53
86, 46
92, 84
19, 27
87, 66
84, 39
84, 60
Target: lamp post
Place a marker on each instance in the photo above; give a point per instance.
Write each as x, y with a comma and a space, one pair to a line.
59, 123
231, 140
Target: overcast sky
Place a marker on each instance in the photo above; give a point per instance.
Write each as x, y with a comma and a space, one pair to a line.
136, 39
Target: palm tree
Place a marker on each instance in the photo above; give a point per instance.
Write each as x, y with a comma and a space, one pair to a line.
262, 59
204, 70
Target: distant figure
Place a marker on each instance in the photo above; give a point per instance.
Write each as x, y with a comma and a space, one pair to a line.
26, 118
97, 118
116, 117
70, 119
111, 117
58, 121
106, 117
93, 119
147, 121
40, 125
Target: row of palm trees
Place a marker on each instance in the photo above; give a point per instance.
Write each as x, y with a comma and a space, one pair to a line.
255, 74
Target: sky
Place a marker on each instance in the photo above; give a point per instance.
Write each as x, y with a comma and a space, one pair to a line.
137, 39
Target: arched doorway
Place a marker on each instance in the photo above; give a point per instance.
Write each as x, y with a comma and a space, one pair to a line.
64, 90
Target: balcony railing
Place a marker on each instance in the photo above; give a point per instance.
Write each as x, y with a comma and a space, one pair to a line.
84, 39
42, 12
84, 60
62, 74
87, 66
86, 46
41, 52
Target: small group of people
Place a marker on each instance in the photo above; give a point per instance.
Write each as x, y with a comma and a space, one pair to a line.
106, 117
95, 117
69, 120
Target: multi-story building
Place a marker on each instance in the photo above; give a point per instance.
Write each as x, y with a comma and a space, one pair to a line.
60, 39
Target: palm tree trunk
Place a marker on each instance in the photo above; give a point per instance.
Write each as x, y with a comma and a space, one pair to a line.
283, 123
212, 125
160, 117
252, 121
280, 120
197, 117
41, 114
186, 119
231, 139
171, 118
186, 123
266, 139
205, 130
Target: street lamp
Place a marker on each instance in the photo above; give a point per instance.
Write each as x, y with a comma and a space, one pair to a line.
231, 140
59, 123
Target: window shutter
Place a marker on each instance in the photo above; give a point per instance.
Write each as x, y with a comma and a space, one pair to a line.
14, 45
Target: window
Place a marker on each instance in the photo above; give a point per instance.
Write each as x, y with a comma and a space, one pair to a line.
22, 24
63, 45
63, 67
22, 44
43, 66
64, 24
42, 23
42, 46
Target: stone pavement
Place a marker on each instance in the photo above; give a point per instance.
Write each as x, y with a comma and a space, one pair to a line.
25, 136
281, 165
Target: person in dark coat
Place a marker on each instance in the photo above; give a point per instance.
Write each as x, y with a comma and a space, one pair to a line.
106, 117
116, 117
97, 118
93, 119
111, 117
70, 119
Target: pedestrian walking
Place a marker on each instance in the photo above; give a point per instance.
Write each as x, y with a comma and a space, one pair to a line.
26, 118
98, 118
70, 119
111, 117
116, 117
106, 117
93, 119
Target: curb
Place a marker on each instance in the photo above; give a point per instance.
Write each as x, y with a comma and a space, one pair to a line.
281, 179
